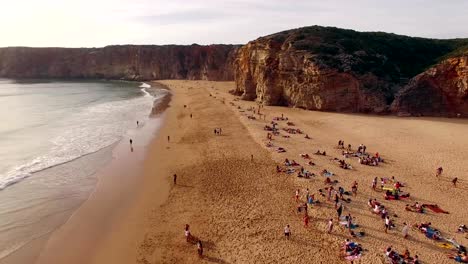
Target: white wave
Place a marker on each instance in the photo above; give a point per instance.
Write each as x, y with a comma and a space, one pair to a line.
85, 132
145, 85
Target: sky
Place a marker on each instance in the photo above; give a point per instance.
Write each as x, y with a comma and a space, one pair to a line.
97, 23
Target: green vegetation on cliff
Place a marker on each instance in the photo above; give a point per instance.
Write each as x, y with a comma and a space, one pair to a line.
389, 56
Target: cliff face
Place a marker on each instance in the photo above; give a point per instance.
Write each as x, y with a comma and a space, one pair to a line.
278, 74
129, 62
332, 69
440, 91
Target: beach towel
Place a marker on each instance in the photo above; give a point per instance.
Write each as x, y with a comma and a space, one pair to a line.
328, 174
445, 245
353, 258
435, 208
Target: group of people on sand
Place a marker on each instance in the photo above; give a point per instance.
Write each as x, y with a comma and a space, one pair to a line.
351, 250
394, 258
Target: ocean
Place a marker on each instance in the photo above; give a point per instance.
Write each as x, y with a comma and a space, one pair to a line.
54, 135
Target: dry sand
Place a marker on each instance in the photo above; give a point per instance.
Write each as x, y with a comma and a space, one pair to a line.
239, 207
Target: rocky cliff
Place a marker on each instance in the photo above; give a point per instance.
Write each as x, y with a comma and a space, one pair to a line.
442, 90
127, 62
332, 69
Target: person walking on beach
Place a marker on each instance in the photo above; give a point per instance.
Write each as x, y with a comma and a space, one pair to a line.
251, 157
175, 179
297, 195
131, 142
439, 171
287, 232
138, 123
200, 248
190, 115
374, 183
168, 138
330, 226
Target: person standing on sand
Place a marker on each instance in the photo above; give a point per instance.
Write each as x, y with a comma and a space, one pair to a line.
439, 171
251, 157
200, 248
354, 188
287, 231
405, 230
175, 179
454, 181
188, 236
330, 190
131, 142
297, 195
374, 183
168, 138
306, 219
138, 123
330, 226
339, 211
387, 223
190, 115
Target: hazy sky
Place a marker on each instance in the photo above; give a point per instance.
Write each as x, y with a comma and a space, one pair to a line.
95, 23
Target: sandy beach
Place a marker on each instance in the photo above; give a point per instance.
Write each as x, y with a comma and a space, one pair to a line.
238, 206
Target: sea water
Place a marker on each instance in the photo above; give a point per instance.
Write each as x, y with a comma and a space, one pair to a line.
53, 136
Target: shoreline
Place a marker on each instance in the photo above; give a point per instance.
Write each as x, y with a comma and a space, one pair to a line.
28, 252
238, 206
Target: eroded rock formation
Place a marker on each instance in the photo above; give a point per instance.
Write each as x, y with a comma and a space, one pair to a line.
128, 62
440, 91
278, 74
332, 69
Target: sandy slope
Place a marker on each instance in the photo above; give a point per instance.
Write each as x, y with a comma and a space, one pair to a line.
238, 208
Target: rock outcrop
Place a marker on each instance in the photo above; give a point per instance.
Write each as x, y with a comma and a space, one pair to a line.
440, 91
278, 74
332, 69
127, 62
